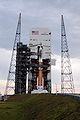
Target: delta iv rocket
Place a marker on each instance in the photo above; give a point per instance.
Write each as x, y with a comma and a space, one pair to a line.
39, 80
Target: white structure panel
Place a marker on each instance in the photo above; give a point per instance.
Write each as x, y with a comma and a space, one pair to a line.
42, 36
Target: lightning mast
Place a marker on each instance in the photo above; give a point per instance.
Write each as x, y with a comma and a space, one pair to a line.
10, 86
67, 85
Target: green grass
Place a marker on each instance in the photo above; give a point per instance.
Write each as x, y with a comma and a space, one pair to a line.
40, 107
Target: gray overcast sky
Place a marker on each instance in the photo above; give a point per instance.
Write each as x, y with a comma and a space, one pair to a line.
40, 13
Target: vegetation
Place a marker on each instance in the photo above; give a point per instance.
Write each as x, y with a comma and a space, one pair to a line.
40, 107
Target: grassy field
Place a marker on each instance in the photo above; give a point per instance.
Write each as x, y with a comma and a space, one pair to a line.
40, 107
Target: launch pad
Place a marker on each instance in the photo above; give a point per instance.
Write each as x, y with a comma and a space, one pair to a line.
30, 66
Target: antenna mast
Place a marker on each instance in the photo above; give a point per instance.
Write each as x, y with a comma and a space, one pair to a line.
67, 85
10, 86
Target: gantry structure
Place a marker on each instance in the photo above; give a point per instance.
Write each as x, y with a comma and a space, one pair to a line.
67, 85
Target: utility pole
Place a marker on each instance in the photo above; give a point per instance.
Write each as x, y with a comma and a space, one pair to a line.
10, 86
67, 85
56, 89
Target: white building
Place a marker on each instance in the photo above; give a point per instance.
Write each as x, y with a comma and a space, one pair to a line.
41, 36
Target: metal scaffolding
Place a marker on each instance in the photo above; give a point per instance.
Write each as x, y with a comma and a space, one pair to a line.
22, 68
67, 85
10, 86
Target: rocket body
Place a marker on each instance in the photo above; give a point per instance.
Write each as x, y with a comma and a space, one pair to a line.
40, 82
39, 77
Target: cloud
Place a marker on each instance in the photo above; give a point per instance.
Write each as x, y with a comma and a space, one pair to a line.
2, 86
5, 56
40, 13
56, 73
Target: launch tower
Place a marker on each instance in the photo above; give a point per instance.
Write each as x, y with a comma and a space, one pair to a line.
67, 85
22, 68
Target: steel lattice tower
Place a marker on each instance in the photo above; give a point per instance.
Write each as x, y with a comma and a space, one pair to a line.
67, 85
10, 86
